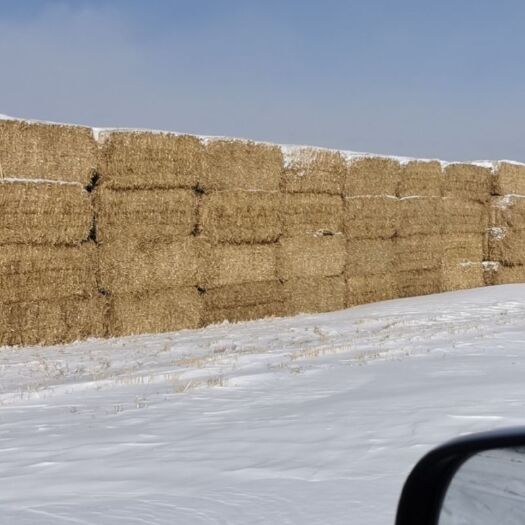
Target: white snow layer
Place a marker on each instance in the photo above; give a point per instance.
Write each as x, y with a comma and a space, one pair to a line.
315, 419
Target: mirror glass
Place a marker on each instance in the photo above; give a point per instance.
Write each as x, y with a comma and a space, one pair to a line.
488, 489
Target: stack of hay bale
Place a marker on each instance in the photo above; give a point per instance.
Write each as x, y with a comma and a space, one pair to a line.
48, 291
146, 205
466, 192
239, 225
312, 249
506, 240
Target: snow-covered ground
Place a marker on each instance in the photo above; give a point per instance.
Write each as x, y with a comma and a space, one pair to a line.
309, 420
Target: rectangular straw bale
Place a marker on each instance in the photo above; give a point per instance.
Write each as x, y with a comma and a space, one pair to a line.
367, 176
467, 182
421, 178
371, 217
417, 253
364, 289
496, 274
145, 215
149, 160
34, 273
44, 213
131, 267
51, 322
319, 294
462, 276
370, 256
508, 212
509, 178
158, 311
313, 170
242, 165
241, 217
312, 256
243, 302
228, 265
304, 213
507, 246
419, 282
46, 151
461, 247
420, 216
462, 216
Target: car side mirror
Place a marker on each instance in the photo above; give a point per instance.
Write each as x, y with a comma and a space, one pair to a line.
474, 480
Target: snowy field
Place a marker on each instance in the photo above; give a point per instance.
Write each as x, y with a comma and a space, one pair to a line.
309, 420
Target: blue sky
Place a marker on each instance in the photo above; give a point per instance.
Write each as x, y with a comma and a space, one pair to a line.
422, 78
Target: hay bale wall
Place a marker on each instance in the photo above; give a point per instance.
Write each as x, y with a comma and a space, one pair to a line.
141, 232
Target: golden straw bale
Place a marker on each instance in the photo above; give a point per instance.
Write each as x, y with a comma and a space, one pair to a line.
367, 176
421, 178
467, 182
242, 165
236, 314
34, 273
241, 217
304, 213
51, 322
508, 212
313, 170
507, 246
509, 178
420, 216
419, 282
371, 288
145, 215
226, 264
46, 151
131, 267
44, 213
461, 216
318, 294
371, 217
312, 256
462, 247
463, 275
142, 160
164, 310
370, 256
417, 253
496, 274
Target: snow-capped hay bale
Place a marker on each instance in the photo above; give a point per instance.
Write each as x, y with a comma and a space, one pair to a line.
159, 311
51, 322
420, 216
242, 165
313, 170
319, 294
463, 275
304, 214
145, 215
508, 212
372, 176
417, 253
420, 178
226, 264
35, 273
46, 151
312, 256
509, 178
247, 301
467, 182
44, 213
461, 216
419, 282
496, 274
142, 160
462, 247
370, 256
371, 217
362, 289
131, 267
507, 246
241, 217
